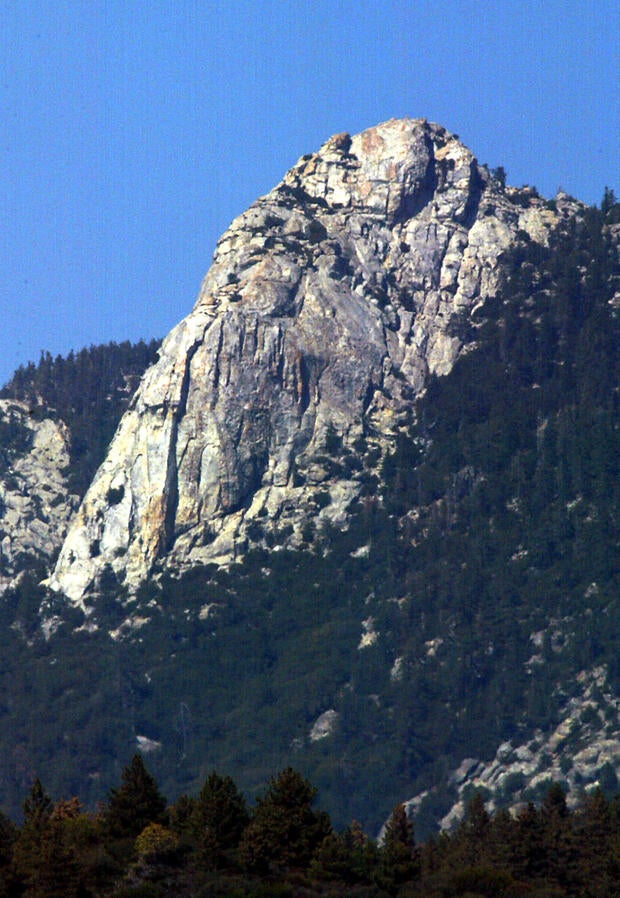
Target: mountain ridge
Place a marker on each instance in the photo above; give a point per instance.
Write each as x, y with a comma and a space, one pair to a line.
327, 306
440, 591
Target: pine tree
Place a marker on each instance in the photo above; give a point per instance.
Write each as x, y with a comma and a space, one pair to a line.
348, 858
399, 861
530, 857
43, 861
471, 838
136, 803
218, 819
37, 805
284, 831
595, 832
558, 841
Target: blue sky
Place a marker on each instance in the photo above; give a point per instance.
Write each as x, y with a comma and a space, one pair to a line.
134, 132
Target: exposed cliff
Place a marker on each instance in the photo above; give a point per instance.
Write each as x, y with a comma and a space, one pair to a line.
457, 628
36, 503
57, 418
327, 305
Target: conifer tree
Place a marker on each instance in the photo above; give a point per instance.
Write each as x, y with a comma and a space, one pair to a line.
558, 839
284, 831
599, 865
348, 857
471, 838
218, 820
530, 860
38, 805
44, 863
136, 803
398, 858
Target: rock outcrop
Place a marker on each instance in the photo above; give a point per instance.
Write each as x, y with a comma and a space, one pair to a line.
35, 501
327, 305
582, 752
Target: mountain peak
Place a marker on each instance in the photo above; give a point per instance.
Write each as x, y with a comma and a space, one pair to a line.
327, 305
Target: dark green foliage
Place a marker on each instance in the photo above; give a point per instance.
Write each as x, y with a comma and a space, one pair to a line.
499, 175
347, 859
60, 852
37, 805
610, 207
136, 803
284, 832
15, 440
398, 857
141, 890
39, 859
114, 496
21, 604
217, 821
495, 518
88, 390
480, 882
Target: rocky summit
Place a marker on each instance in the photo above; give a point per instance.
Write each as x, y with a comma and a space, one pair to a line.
327, 305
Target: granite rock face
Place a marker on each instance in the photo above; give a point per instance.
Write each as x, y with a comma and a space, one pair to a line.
582, 752
327, 305
35, 502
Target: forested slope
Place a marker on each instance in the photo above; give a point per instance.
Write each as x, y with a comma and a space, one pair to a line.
472, 594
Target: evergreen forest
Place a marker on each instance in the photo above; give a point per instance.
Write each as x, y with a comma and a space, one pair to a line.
496, 518
213, 845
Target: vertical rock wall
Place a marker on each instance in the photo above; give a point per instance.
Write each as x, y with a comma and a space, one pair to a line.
328, 303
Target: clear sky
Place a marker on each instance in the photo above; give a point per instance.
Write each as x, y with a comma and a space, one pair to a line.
134, 132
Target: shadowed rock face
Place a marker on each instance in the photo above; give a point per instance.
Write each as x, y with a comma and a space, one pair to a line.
327, 305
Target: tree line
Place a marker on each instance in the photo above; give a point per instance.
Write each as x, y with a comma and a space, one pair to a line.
136, 845
89, 390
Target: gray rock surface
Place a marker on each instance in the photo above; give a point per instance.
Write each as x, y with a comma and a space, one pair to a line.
327, 305
35, 503
582, 752
324, 725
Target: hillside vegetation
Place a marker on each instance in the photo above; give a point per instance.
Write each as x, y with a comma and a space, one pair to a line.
138, 846
488, 538
87, 390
